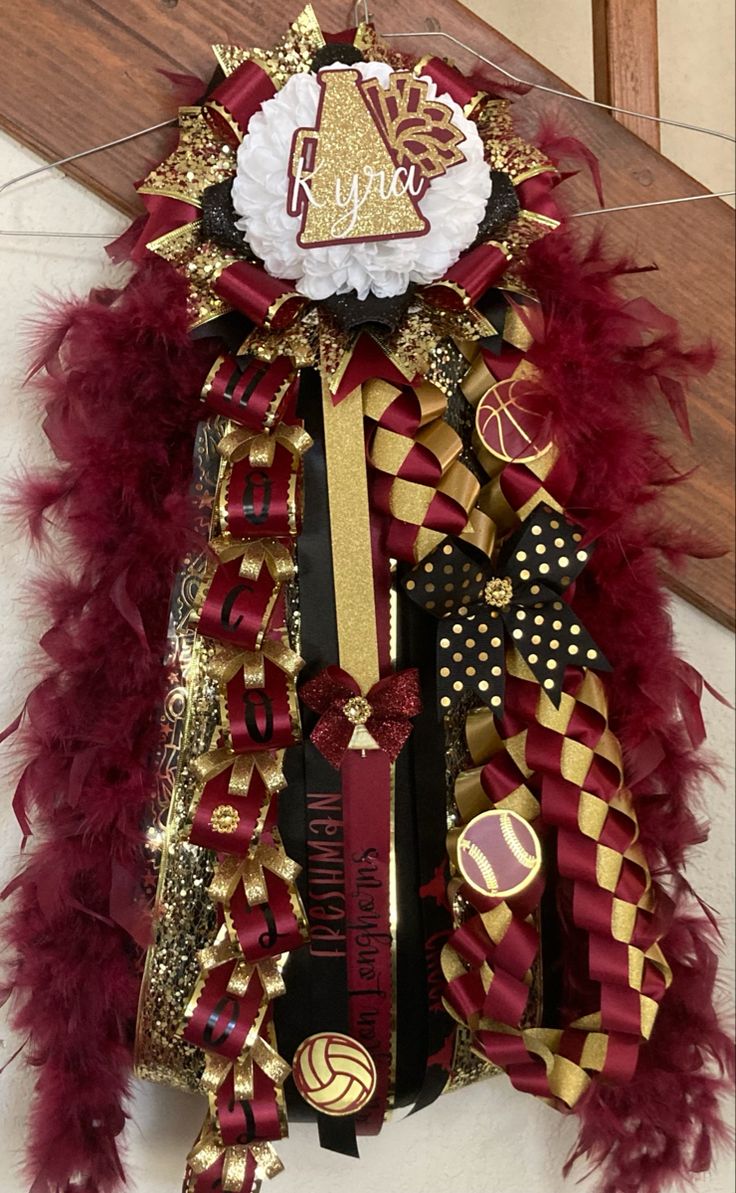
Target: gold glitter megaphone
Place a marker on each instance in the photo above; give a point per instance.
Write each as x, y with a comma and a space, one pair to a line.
345, 181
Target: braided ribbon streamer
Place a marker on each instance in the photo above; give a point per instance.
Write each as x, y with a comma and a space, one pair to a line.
487, 961
570, 761
419, 480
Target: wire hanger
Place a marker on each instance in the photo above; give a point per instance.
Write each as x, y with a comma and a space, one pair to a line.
361, 8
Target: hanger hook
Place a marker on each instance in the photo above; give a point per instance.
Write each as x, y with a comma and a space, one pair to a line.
73, 157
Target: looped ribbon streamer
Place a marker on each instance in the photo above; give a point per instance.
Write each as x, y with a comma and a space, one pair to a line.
487, 960
230, 1169
259, 491
384, 714
482, 608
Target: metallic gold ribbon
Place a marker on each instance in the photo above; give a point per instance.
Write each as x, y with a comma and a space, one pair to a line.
266, 763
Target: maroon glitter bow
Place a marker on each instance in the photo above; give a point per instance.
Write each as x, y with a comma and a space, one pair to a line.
382, 718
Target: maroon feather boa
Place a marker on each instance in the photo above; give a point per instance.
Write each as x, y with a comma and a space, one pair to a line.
120, 389
119, 383
606, 365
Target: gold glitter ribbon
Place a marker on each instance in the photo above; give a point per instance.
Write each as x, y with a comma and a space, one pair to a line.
267, 763
253, 554
208, 1150
232, 870
350, 535
260, 446
226, 663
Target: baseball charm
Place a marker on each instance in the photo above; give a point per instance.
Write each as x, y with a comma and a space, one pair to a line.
334, 1073
499, 854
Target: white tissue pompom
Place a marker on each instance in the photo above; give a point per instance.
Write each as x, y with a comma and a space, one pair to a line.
454, 204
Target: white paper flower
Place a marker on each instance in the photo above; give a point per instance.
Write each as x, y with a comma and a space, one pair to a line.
454, 204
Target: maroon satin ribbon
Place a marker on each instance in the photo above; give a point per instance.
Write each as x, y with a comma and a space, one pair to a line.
220, 1022
237, 609
367, 362
366, 789
231, 104
266, 929
165, 214
261, 718
251, 392
448, 80
366, 786
470, 277
264, 502
248, 810
242, 1122
266, 300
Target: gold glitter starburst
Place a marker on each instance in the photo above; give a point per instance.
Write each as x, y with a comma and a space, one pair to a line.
292, 55
201, 159
200, 262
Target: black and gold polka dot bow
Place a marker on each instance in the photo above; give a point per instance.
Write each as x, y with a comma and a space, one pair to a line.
483, 607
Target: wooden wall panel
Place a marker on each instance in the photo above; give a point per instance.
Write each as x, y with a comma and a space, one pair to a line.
626, 61
79, 72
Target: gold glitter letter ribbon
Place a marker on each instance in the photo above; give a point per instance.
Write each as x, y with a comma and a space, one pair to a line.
350, 535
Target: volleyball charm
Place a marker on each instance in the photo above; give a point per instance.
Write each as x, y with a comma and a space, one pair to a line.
334, 1073
499, 854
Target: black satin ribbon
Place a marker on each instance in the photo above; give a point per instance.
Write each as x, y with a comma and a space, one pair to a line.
483, 609
317, 998
425, 1030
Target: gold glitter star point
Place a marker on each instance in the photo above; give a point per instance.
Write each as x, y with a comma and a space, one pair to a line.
292, 55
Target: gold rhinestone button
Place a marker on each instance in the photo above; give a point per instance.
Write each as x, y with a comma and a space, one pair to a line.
498, 592
357, 710
224, 818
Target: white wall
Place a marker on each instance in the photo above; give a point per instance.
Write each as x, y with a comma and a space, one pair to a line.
696, 67
487, 1138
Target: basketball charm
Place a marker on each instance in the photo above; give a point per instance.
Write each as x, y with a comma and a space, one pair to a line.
499, 854
334, 1073
511, 421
